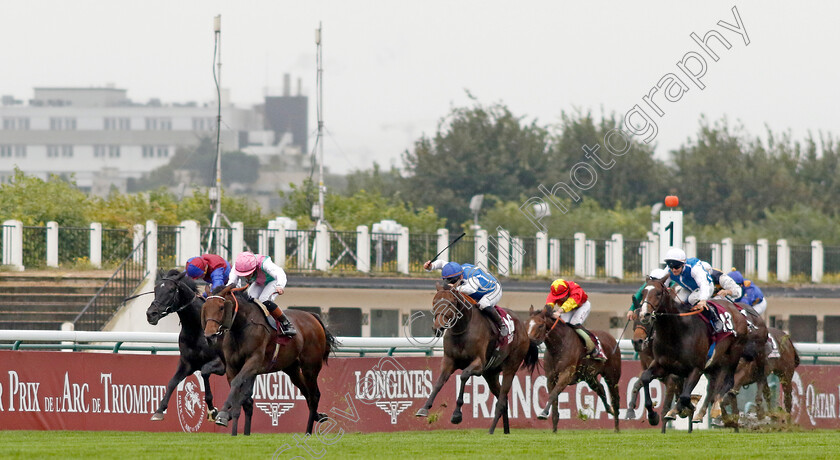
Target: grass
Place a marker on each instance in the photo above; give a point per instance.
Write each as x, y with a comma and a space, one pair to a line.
602, 444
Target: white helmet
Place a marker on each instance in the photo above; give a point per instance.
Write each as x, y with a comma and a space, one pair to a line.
676, 255
659, 273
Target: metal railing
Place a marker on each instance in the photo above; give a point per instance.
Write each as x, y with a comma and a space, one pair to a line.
109, 298
74, 245
383, 252
167, 245
34, 247
299, 245
116, 245
342, 250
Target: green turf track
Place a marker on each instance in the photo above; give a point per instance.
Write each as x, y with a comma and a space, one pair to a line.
533, 444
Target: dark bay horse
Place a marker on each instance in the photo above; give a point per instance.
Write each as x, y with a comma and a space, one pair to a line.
643, 344
469, 344
681, 344
782, 366
566, 362
176, 293
249, 351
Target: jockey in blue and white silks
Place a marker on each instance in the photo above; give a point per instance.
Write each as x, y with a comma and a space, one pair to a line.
479, 285
694, 284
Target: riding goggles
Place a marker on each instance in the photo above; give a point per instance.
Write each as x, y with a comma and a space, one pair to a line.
674, 263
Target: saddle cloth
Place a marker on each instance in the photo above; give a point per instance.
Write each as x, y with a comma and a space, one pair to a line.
723, 314
277, 339
504, 341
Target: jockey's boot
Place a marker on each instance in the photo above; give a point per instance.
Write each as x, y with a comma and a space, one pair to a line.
711, 315
497, 319
277, 313
593, 345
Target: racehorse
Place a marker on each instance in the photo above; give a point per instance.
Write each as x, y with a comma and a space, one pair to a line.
681, 345
176, 293
782, 366
469, 344
642, 343
250, 349
566, 362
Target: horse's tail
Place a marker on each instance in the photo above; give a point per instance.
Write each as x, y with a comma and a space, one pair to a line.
332, 343
795, 353
532, 357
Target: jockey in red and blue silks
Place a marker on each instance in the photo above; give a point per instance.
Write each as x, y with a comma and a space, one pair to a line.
481, 286
213, 269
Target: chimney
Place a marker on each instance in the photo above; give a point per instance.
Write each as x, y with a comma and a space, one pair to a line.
298, 92
287, 83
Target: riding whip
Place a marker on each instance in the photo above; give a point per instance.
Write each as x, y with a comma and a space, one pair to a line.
448, 246
622, 335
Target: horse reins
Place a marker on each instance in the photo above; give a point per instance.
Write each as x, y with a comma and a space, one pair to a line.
222, 327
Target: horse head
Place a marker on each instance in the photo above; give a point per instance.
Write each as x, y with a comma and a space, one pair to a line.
448, 306
539, 324
171, 295
656, 297
217, 313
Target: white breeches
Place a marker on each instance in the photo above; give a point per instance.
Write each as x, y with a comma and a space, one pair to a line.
692, 297
491, 298
760, 307
263, 293
578, 315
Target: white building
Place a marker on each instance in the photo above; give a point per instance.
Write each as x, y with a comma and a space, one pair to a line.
102, 138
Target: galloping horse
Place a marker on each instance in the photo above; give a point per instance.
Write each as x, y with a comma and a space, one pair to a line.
681, 346
566, 362
175, 293
783, 367
249, 350
469, 344
643, 344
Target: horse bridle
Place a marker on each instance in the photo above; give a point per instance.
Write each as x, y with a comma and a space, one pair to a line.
169, 309
222, 328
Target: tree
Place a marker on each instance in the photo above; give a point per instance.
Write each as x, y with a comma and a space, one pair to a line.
476, 150
34, 201
374, 180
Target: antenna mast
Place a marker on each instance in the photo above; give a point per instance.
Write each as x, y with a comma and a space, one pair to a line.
215, 192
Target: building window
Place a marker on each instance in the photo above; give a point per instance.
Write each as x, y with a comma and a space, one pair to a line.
203, 124
67, 151
162, 151
113, 151
117, 123
52, 151
158, 124
148, 151
99, 151
20, 151
5, 151
62, 124
11, 123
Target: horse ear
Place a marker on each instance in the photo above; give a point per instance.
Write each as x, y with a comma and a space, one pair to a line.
159, 275
225, 291
665, 278
438, 286
181, 275
207, 289
531, 311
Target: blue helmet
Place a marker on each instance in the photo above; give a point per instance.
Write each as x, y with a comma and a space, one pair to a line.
451, 270
736, 276
196, 267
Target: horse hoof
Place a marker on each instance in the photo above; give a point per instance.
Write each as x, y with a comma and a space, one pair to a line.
422, 412
456, 419
630, 414
653, 419
671, 415
543, 415
321, 417
222, 418
157, 416
211, 415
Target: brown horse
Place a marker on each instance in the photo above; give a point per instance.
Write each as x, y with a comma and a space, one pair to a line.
642, 343
566, 362
469, 344
249, 350
681, 346
751, 367
783, 367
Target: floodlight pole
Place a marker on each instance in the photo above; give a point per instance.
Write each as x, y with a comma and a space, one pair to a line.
320, 139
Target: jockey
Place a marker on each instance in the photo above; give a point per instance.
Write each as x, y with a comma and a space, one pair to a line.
752, 295
267, 281
724, 285
694, 284
656, 273
571, 304
213, 269
476, 283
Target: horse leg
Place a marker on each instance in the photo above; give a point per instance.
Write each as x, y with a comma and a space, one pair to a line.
492, 379
184, 369
473, 369
700, 411
241, 387
787, 390
634, 394
215, 366
447, 367
502, 402
310, 379
248, 408
684, 406
596, 386
647, 376
563, 380
615, 396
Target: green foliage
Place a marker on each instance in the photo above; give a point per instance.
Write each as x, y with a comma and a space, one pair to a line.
35, 202
387, 183
361, 208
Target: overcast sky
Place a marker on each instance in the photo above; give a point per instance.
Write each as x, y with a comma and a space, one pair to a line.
393, 69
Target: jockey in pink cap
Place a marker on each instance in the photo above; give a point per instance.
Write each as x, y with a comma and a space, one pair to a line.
267, 281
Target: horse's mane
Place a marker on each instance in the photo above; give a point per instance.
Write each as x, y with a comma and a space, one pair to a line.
174, 273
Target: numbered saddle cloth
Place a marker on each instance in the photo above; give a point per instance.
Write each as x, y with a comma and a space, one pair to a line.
506, 318
725, 317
